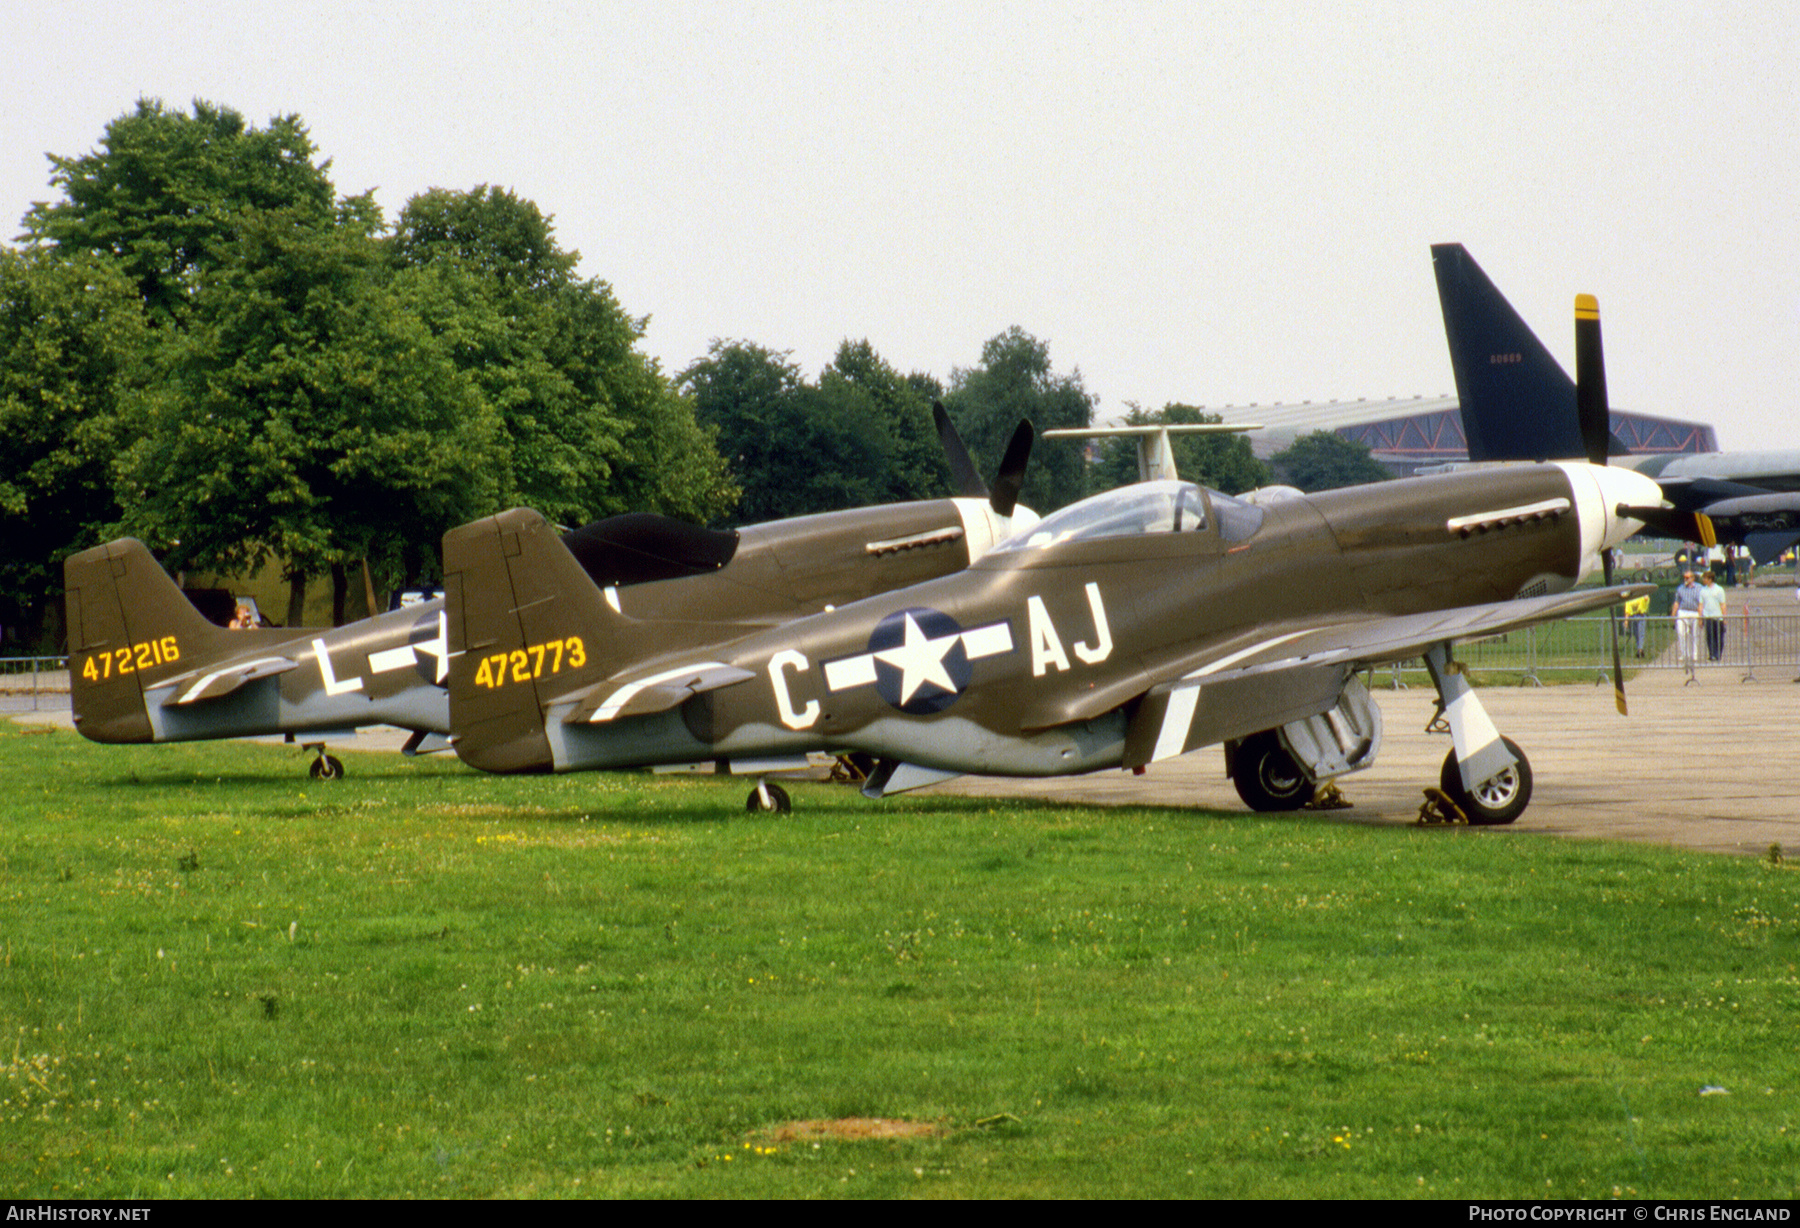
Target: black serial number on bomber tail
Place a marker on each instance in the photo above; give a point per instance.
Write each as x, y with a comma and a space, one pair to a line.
524, 664
130, 659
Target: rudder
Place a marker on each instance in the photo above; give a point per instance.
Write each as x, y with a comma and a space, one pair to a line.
1517, 401
523, 616
129, 628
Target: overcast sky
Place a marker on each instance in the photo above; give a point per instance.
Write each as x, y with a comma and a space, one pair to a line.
1216, 203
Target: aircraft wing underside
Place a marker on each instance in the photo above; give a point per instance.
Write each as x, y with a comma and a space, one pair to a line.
1298, 673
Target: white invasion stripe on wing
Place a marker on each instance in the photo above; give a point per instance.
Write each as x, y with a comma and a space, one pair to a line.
1178, 717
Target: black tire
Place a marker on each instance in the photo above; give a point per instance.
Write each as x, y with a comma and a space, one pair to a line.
327, 768
1496, 801
781, 803
1266, 776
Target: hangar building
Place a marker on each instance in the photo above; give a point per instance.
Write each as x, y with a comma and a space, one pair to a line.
1407, 434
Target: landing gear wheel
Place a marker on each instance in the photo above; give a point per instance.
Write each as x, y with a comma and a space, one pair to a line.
1266, 776
1499, 799
778, 800
327, 768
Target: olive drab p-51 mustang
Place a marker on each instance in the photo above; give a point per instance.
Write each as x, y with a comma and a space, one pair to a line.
145, 666
1125, 629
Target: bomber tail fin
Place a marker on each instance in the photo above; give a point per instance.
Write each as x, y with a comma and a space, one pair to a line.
1517, 401
522, 615
129, 627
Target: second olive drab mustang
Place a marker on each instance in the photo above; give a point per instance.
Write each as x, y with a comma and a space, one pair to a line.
145, 666
1126, 629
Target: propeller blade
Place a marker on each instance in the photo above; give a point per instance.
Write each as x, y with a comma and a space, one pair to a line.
1679, 525
1612, 622
1011, 478
962, 469
1592, 408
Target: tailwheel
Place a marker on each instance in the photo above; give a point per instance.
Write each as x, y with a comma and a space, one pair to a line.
1266, 776
326, 767
1499, 799
768, 799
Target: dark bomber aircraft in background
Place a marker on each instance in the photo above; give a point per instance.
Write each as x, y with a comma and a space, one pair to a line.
1519, 404
1125, 629
145, 666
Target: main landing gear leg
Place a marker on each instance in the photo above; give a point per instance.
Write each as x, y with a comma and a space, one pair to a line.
1486, 775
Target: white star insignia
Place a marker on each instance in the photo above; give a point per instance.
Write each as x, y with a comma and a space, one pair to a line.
920, 660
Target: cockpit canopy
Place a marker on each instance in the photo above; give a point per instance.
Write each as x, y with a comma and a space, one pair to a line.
1145, 507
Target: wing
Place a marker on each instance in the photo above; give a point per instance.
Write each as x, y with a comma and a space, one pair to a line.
1228, 691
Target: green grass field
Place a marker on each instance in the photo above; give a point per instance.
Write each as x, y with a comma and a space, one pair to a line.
219, 978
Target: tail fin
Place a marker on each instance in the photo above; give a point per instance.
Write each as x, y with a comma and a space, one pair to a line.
523, 616
129, 628
1517, 401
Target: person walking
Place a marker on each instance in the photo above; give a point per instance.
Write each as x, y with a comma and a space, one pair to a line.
1712, 614
1686, 609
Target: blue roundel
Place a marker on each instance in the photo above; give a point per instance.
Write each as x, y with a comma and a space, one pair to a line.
914, 663
425, 632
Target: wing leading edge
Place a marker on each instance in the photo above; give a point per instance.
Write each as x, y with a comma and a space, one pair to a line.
1299, 672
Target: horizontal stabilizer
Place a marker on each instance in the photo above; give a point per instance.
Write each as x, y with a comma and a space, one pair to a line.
214, 683
425, 743
658, 692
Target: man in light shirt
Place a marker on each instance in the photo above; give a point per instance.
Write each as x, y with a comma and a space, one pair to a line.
1686, 608
1712, 614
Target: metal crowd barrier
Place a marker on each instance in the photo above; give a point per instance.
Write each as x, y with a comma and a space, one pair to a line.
1765, 646
34, 684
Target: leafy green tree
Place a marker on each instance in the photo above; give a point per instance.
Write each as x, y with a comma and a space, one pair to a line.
1014, 380
307, 413
1325, 460
1224, 462
72, 341
754, 400
910, 464
592, 426
163, 194
860, 436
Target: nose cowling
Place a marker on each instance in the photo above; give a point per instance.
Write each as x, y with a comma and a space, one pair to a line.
1599, 491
